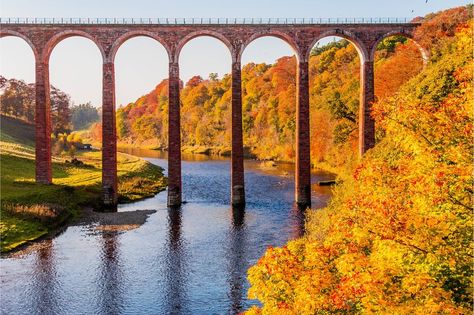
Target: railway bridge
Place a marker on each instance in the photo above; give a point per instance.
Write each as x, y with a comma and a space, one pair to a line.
43, 35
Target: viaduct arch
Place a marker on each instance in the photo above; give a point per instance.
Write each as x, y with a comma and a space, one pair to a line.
109, 35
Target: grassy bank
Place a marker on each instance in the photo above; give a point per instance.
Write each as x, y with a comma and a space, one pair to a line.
30, 210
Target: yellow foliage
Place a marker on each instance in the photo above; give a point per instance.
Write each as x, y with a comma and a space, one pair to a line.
397, 237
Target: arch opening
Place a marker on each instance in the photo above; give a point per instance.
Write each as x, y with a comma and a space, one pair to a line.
346, 35
269, 70
204, 65
396, 37
397, 59
141, 85
202, 34
60, 37
17, 92
334, 75
75, 76
10, 34
132, 35
275, 37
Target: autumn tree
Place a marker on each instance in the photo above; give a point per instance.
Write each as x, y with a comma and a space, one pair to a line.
397, 235
17, 99
60, 112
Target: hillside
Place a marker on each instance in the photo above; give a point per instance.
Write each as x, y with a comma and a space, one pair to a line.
397, 237
269, 100
17, 131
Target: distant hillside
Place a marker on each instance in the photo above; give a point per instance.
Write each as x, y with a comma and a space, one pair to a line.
269, 96
269, 104
17, 131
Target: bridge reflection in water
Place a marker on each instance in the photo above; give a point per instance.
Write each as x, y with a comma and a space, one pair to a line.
110, 280
175, 268
45, 284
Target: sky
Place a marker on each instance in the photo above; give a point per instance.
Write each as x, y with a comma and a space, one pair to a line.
141, 63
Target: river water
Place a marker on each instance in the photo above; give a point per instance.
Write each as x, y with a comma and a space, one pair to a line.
188, 261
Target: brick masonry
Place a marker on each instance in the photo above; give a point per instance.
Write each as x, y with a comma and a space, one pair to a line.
303, 162
237, 170
43, 124
42, 38
174, 138
109, 137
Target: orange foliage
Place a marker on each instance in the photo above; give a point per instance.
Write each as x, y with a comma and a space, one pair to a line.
269, 100
391, 73
442, 24
397, 237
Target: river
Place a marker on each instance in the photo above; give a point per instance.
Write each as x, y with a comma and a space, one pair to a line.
188, 261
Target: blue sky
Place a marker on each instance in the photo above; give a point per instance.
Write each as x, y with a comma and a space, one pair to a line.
141, 63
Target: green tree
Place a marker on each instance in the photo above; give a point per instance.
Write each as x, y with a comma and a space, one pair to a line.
83, 115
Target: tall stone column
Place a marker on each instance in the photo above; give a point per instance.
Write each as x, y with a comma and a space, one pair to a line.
303, 162
367, 97
43, 124
237, 173
174, 138
109, 136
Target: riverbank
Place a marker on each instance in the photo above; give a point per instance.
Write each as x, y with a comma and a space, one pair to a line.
30, 211
340, 170
222, 151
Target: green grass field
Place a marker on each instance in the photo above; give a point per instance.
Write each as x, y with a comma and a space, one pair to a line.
23, 202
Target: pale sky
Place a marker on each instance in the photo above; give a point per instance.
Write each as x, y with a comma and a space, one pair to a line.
141, 63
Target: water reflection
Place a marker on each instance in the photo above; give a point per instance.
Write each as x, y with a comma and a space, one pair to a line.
237, 266
175, 269
45, 286
110, 275
190, 260
185, 156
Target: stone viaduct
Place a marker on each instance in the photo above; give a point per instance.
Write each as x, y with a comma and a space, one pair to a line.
42, 36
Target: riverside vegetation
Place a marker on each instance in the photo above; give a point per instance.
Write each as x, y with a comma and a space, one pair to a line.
397, 236
30, 210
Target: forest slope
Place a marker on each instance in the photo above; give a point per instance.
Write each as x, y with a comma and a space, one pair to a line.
397, 237
269, 100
